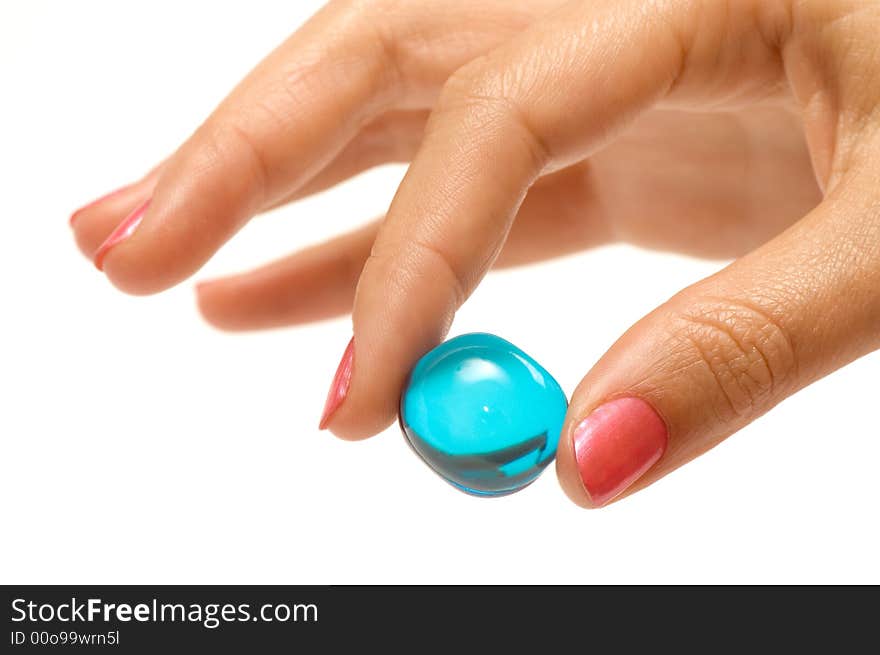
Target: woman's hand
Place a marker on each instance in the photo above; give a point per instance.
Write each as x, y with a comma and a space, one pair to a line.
537, 127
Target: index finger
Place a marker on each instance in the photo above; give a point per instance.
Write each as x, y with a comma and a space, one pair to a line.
542, 101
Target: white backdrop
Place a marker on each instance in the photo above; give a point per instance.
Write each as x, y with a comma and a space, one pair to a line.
141, 446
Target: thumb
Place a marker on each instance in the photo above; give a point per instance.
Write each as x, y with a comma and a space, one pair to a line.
724, 351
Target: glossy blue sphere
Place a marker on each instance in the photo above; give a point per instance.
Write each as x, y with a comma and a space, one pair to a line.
483, 414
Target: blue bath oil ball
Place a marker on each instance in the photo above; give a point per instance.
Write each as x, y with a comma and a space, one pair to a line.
483, 414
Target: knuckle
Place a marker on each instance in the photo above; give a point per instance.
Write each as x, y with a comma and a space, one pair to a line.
437, 263
223, 159
746, 353
357, 8
360, 59
379, 20
483, 98
368, 8
404, 270
251, 152
231, 142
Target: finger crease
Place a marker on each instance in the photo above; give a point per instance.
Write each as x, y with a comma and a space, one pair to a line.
258, 164
744, 348
458, 285
708, 362
538, 148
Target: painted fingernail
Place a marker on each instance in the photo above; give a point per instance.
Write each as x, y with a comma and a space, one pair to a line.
339, 387
121, 233
615, 445
97, 202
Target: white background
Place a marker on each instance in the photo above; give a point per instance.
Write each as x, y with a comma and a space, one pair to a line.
139, 445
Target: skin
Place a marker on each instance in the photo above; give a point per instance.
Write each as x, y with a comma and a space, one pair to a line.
534, 128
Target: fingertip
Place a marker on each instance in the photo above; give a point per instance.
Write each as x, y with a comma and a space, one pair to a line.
212, 304
95, 221
361, 414
354, 431
130, 275
120, 233
567, 473
142, 258
98, 202
92, 225
88, 235
338, 404
206, 304
357, 407
371, 405
358, 418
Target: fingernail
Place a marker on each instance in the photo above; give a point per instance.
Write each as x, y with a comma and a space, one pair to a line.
615, 445
339, 387
97, 202
121, 233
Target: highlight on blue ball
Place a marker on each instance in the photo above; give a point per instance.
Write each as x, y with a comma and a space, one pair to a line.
483, 414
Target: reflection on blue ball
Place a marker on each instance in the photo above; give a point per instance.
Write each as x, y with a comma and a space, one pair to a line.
483, 414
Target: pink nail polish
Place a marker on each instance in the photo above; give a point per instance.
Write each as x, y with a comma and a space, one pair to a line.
97, 202
615, 445
339, 387
121, 233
